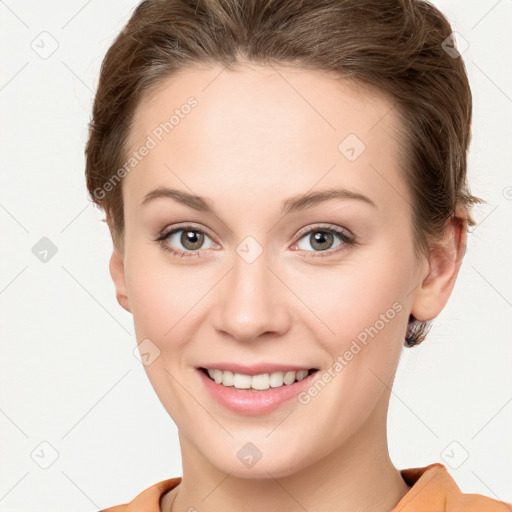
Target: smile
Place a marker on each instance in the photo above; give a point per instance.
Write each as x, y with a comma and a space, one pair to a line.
256, 395
258, 382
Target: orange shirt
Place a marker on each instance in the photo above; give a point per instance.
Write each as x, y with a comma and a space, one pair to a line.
433, 490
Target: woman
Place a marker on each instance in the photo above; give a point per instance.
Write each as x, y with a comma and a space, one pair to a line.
285, 185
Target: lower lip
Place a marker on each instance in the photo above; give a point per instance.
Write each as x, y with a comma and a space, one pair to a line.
251, 402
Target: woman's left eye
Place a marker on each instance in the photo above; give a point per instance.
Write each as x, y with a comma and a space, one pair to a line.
322, 239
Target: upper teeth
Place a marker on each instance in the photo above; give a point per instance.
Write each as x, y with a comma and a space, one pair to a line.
260, 382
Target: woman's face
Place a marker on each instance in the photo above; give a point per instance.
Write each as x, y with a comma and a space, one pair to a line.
270, 282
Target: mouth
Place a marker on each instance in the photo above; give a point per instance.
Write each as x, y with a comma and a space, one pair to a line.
256, 382
255, 393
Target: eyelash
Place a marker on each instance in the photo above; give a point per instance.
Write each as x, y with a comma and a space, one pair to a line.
347, 240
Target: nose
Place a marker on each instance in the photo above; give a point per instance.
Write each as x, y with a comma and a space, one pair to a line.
252, 300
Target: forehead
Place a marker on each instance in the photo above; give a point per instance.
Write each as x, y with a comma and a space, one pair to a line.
255, 97
260, 127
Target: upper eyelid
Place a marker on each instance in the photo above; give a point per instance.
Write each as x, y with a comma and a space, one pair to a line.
168, 231
326, 227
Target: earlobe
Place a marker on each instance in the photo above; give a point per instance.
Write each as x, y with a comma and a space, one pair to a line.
116, 267
444, 262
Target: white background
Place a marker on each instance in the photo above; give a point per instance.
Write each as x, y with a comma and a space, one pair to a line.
68, 376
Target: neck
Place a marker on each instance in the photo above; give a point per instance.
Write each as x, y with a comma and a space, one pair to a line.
358, 475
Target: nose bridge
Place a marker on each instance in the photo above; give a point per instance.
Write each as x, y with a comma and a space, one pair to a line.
252, 301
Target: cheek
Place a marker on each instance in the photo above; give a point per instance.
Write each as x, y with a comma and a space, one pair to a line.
365, 312
162, 300
157, 293
350, 299
168, 302
160, 305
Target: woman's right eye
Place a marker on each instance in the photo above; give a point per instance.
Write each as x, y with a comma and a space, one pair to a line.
190, 238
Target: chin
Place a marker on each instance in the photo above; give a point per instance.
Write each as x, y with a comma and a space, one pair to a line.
258, 460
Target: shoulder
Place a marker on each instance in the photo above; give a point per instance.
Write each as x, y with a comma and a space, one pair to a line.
117, 508
149, 499
433, 488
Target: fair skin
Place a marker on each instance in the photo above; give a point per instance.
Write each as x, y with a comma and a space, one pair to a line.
252, 142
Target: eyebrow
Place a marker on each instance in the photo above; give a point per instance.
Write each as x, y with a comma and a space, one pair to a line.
293, 204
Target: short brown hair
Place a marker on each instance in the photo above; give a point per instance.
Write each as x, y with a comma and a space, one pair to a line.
393, 46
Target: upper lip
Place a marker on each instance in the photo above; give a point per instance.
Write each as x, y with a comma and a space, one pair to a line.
255, 369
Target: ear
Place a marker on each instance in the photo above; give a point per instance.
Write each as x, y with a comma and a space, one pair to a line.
444, 262
116, 267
